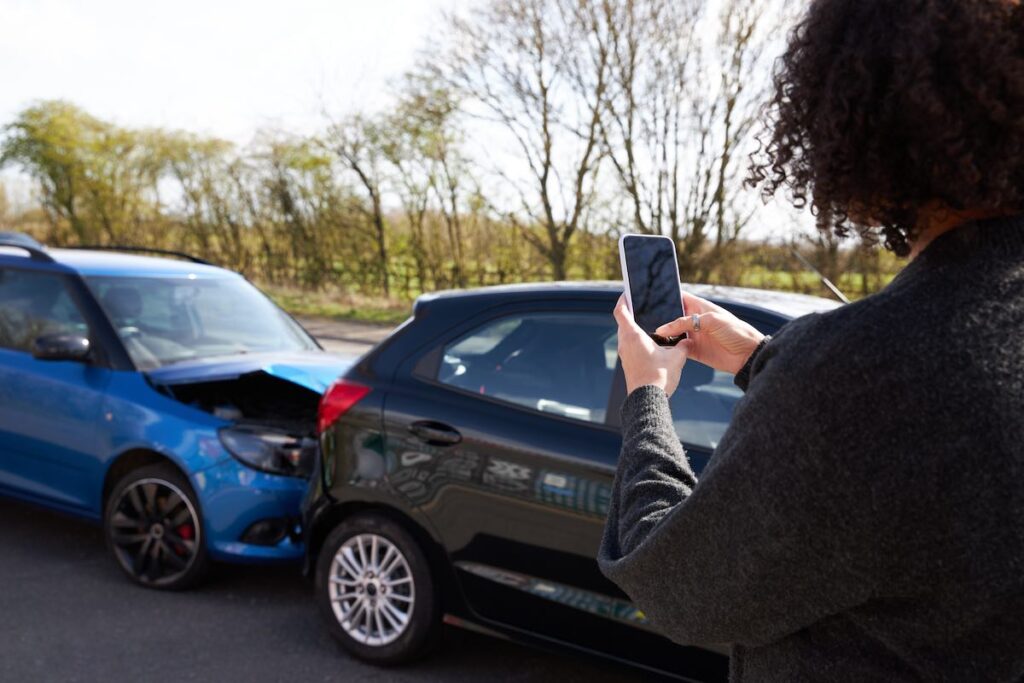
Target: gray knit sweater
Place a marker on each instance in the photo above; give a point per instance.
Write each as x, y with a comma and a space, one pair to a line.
863, 517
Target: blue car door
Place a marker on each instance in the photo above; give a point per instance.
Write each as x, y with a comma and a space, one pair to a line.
50, 411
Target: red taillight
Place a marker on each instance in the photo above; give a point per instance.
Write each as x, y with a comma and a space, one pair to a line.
338, 400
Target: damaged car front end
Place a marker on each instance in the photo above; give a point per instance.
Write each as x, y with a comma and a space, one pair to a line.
263, 449
215, 424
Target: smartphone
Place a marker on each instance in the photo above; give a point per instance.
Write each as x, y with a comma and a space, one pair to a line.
651, 275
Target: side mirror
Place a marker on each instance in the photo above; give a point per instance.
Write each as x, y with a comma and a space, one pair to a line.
61, 347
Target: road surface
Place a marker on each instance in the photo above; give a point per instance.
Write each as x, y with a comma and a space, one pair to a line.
345, 336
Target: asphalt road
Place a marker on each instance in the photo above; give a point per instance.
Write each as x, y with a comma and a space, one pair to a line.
68, 614
345, 336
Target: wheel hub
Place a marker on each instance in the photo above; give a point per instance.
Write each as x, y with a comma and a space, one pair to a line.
371, 589
148, 531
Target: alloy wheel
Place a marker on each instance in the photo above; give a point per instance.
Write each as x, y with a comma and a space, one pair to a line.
371, 589
155, 531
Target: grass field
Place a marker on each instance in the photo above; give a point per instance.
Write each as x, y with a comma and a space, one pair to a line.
353, 306
806, 282
338, 305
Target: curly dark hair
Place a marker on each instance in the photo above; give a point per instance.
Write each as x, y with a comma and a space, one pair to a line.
883, 108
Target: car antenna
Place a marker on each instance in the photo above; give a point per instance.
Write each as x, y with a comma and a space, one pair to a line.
824, 280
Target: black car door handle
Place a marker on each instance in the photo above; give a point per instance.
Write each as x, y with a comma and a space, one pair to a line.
435, 433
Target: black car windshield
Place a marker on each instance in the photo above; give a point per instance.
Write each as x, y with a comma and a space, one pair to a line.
169, 320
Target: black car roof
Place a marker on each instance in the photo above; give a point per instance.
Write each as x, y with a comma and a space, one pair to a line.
787, 304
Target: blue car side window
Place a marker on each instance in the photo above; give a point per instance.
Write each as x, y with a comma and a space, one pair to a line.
33, 304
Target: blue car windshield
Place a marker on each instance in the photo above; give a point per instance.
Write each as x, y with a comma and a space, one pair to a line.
170, 320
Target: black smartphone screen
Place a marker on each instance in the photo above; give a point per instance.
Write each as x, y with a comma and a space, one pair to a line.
653, 275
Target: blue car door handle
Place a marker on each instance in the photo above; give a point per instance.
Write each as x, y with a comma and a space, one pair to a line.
435, 433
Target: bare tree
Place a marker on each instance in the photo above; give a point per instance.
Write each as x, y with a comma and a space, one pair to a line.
740, 68
510, 60
213, 219
645, 108
425, 147
6, 219
411, 183
679, 111
358, 142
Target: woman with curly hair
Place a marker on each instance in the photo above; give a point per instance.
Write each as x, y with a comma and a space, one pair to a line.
863, 517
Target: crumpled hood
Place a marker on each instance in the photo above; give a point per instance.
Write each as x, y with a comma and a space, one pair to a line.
314, 370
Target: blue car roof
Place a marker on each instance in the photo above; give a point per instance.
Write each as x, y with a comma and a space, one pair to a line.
109, 263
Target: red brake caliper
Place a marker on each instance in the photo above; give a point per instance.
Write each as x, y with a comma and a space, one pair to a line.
187, 533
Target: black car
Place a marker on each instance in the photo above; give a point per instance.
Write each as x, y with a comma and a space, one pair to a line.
467, 463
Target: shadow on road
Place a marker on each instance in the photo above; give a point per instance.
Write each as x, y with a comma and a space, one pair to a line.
69, 615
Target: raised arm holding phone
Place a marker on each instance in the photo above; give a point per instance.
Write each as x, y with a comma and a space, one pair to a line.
862, 519
725, 343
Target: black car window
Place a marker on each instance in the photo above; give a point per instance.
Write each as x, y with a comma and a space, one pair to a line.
33, 304
702, 405
558, 363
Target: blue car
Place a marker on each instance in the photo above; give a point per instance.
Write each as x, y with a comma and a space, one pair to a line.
167, 399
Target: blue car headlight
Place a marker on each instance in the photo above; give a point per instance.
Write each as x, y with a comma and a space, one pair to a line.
270, 450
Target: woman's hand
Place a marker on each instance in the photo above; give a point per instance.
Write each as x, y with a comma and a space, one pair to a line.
643, 361
724, 341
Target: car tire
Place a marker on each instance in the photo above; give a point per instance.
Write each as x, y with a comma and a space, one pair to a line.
154, 530
375, 588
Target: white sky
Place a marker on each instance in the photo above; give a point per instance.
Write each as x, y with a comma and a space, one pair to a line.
221, 67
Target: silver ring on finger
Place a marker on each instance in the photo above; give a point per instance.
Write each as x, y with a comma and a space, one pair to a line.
696, 322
